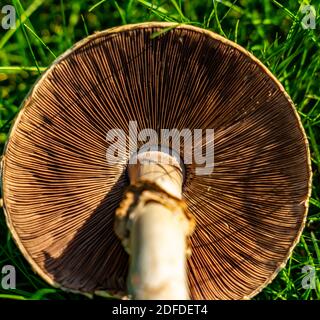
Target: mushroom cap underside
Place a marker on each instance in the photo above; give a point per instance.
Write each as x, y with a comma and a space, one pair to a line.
60, 193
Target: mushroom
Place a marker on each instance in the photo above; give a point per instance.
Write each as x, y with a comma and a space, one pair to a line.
85, 224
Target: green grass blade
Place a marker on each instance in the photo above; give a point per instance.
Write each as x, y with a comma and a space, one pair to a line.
96, 5
19, 69
40, 40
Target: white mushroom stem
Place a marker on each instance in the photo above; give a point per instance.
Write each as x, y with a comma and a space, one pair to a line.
158, 254
157, 228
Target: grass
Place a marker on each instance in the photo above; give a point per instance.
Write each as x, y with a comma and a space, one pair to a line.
269, 29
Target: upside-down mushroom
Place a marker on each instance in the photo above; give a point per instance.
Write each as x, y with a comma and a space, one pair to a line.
85, 224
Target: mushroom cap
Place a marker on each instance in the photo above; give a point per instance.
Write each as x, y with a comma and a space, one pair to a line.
60, 193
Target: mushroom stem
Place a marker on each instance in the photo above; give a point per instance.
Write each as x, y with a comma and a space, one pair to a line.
153, 226
158, 254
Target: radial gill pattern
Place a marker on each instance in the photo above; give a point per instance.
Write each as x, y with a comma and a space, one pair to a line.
60, 193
